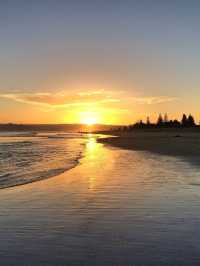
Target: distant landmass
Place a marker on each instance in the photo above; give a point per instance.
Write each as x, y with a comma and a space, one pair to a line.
56, 127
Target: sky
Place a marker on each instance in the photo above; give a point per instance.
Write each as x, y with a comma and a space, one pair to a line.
108, 61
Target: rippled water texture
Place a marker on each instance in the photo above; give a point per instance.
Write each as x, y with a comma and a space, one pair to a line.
117, 207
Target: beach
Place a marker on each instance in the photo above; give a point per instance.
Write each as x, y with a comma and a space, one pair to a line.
181, 142
117, 207
99, 133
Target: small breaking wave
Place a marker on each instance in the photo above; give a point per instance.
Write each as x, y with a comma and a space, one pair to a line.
26, 161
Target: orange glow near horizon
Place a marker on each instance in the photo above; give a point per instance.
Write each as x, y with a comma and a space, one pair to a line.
88, 108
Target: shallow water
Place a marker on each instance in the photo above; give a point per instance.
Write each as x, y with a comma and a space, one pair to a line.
25, 158
117, 207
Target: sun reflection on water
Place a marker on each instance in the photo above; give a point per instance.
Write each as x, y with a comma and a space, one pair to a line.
92, 147
95, 163
94, 154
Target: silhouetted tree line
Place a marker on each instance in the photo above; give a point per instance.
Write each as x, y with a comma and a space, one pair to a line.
164, 122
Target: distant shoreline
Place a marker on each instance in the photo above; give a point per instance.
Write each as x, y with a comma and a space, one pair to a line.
10, 127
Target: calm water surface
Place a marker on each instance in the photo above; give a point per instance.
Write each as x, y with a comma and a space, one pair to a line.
116, 207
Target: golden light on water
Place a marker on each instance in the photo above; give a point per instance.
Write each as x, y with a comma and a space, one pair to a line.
92, 146
95, 157
93, 149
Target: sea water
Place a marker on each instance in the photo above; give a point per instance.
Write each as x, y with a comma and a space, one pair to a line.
27, 157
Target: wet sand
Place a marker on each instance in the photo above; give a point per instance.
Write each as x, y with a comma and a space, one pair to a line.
117, 207
180, 143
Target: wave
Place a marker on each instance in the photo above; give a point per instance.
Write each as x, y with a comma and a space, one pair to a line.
23, 161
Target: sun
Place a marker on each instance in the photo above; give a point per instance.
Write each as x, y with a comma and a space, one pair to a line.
89, 121
89, 118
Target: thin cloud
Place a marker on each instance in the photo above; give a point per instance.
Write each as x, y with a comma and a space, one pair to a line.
59, 100
63, 100
152, 100
89, 93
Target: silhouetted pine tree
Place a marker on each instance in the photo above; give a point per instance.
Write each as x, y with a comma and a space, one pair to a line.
190, 121
148, 121
165, 118
184, 120
160, 120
